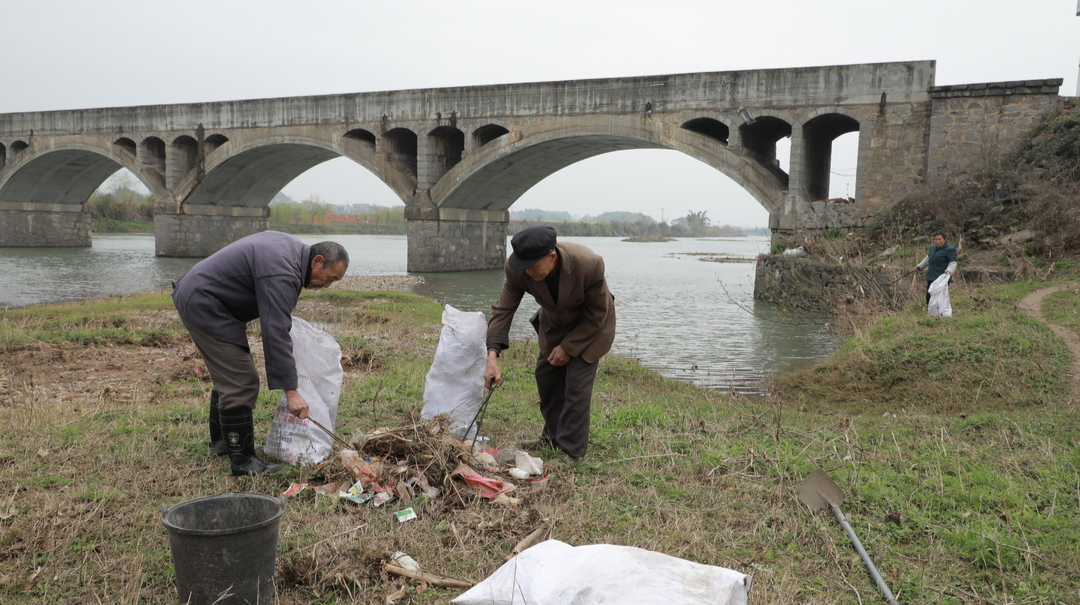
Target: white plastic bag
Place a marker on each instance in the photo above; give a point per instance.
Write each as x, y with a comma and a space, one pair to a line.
939, 305
319, 376
455, 383
555, 572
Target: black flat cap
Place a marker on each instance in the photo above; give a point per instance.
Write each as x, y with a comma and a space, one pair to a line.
531, 245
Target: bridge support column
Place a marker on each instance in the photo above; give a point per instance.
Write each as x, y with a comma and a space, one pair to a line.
454, 239
799, 216
44, 225
784, 219
198, 231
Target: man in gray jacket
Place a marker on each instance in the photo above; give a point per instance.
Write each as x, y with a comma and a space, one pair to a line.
256, 277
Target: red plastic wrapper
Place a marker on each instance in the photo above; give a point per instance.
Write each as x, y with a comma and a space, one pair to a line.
487, 488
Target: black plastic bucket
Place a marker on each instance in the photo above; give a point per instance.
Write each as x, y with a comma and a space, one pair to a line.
224, 548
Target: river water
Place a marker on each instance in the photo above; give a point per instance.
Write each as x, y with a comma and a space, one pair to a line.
685, 308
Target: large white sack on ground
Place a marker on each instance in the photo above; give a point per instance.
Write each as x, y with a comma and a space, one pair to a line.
455, 383
319, 376
939, 305
555, 572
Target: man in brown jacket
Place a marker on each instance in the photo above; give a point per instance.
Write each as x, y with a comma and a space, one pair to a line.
575, 325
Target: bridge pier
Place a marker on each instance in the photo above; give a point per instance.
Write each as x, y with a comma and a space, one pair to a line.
455, 239
199, 231
29, 224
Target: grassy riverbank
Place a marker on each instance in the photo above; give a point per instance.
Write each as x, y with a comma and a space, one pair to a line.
953, 440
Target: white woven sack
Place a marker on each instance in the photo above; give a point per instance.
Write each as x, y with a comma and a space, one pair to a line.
555, 572
455, 383
319, 377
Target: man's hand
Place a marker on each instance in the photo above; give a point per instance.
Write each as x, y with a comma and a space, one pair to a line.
297, 405
917, 268
492, 373
558, 357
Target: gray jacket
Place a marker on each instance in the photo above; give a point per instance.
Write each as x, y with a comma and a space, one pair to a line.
256, 277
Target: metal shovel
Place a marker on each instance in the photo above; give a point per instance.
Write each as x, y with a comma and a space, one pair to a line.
820, 492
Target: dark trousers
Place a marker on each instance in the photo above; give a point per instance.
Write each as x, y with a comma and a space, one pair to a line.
565, 400
236, 379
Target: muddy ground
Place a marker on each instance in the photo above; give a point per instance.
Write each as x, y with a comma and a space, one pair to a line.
47, 373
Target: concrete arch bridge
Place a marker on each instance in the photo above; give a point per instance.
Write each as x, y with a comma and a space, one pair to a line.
460, 157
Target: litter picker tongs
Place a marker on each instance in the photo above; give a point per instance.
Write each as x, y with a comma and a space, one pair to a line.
332, 434
478, 419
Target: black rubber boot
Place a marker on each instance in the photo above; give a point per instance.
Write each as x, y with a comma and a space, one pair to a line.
217, 442
238, 427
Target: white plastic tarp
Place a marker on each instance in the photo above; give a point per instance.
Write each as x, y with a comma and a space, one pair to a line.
455, 383
319, 376
555, 572
939, 305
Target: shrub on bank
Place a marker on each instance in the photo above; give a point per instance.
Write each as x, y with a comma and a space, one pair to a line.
1026, 203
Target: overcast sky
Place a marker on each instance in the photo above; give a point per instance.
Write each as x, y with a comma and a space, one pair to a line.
73, 54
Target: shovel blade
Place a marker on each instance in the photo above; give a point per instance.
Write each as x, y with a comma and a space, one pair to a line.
819, 491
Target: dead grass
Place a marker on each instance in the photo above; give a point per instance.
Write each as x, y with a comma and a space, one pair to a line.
980, 507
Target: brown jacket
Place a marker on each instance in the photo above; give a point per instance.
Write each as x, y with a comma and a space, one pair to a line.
583, 319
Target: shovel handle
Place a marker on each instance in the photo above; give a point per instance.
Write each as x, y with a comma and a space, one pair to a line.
884, 588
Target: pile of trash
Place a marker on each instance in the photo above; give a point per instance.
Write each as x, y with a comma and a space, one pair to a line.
422, 458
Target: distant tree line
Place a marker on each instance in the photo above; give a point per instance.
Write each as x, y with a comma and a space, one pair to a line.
123, 209
694, 224
562, 216
315, 216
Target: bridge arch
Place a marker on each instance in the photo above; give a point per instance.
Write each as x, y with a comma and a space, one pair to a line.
212, 142
151, 153
364, 136
819, 128
710, 127
758, 138
398, 153
447, 145
495, 176
183, 157
126, 145
18, 146
44, 193
249, 172
67, 173
487, 133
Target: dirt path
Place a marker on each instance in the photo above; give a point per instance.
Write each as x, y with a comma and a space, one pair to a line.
1032, 305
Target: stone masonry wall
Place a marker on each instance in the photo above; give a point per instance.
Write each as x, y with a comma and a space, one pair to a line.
183, 235
797, 283
25, 228
832, 214
892, 155
977, 123
444, 245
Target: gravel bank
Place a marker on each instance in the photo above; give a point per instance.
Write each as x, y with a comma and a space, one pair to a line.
404, 283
